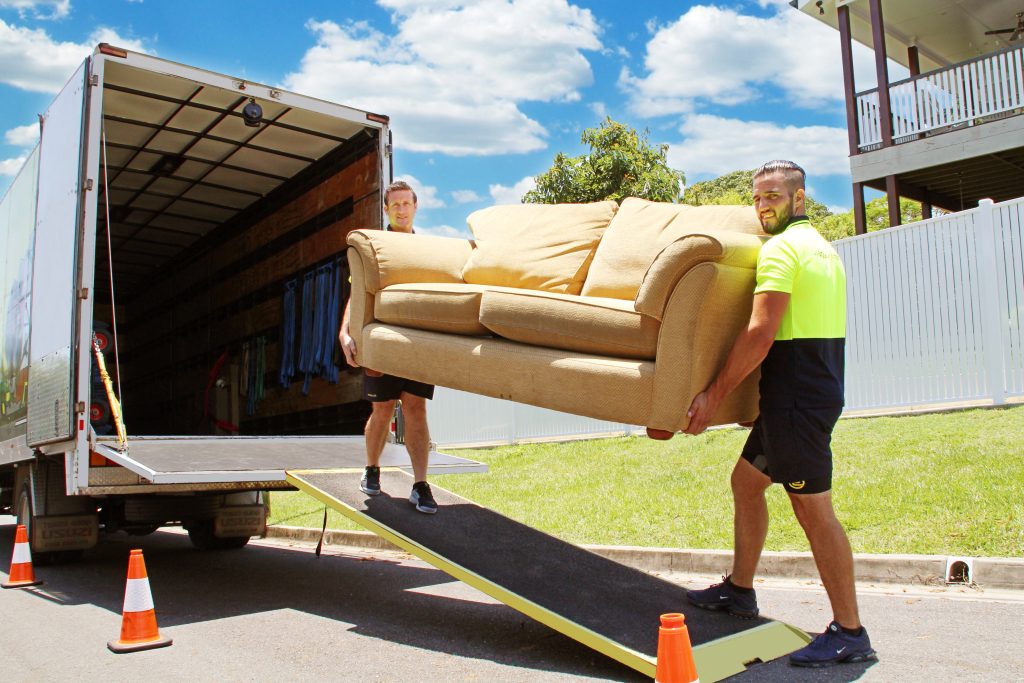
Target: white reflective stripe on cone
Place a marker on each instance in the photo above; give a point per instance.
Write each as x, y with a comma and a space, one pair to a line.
137, 597
22, 554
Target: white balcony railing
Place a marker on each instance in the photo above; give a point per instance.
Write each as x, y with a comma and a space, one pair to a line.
959, 95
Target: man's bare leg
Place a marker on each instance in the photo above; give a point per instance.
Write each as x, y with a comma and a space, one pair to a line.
377, 429
417, 434
750, 521
832, 554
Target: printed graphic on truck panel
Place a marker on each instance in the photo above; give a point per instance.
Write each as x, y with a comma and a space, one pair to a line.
17, 224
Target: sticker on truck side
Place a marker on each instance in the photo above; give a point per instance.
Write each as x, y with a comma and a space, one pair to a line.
240, 520
64, 532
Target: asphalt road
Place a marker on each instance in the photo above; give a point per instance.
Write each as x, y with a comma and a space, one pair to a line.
273, 611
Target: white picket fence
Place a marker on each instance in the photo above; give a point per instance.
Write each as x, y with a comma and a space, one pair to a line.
935, 311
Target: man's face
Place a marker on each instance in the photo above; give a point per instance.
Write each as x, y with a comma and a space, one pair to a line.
774, 202
401, 209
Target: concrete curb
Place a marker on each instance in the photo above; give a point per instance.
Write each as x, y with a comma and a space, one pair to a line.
987, 572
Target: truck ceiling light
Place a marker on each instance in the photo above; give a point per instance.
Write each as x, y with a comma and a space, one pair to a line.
167, 165
252, 114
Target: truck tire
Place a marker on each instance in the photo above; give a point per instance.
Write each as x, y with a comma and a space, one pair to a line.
23, 512
201, 534
23, 508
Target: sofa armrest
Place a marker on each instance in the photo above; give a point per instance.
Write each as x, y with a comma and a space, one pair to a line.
390, 258
679, 257
704, 315
378, 258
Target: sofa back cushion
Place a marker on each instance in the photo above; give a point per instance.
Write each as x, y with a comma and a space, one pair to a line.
641, 229
546, 247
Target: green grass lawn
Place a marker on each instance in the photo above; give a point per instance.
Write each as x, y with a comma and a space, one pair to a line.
944, 484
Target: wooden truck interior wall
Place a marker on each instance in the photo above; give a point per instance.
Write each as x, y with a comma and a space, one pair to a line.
209, 219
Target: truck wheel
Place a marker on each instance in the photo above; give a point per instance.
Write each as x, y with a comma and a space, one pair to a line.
23, 509
24, 515
201, 534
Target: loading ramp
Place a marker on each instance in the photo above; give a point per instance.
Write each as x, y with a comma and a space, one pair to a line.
260, 459
607, 606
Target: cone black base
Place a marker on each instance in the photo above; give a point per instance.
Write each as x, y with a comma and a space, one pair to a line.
119, 647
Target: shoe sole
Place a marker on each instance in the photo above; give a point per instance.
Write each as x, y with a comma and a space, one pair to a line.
419, 508
852, 659
714, 607
369, 492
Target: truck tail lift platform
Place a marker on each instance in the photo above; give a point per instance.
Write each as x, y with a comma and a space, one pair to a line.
607, 606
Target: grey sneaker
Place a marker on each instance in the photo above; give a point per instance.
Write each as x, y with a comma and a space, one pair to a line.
370, 483
422, 498
833, 647
724, 596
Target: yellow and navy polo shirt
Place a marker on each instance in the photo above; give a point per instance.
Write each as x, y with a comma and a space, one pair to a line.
804, 367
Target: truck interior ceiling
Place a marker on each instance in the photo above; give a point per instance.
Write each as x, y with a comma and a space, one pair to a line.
225, 267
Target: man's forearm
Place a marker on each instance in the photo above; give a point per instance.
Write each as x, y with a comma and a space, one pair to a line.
345, 318
750, 348
747, 353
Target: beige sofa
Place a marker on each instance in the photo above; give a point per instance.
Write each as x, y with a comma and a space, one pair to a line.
617, 313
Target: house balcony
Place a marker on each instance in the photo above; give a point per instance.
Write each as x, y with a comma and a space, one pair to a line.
957, 133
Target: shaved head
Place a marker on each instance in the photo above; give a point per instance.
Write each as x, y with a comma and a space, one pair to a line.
792, 174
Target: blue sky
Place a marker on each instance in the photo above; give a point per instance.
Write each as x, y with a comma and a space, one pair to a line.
483, 93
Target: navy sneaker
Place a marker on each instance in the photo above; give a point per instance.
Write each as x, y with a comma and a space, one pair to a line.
370, 483
724, 596
422, 498
834, 646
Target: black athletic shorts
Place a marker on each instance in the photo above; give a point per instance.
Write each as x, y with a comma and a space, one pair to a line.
390, 388
792, 447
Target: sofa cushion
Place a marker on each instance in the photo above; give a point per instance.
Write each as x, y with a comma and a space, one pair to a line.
641, 229
441, 307
607, 327
545, 247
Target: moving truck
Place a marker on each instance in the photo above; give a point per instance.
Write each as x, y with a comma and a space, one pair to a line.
188, 230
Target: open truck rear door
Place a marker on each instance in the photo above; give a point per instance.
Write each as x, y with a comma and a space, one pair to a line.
55, 274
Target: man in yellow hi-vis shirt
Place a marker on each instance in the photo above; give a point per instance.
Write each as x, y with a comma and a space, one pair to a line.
797, 335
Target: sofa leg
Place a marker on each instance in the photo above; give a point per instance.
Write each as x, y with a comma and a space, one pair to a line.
659, 434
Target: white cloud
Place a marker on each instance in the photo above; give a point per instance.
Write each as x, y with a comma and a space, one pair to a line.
426, 195
715, 145
59, 8
23, 136
727, 58
444, 231
31, 60
465, 196
10, 167
502, 194
453, 74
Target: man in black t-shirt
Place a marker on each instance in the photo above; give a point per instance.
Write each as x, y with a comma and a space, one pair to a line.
382, 391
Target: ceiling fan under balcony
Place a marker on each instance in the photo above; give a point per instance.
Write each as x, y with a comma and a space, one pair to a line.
1015, 33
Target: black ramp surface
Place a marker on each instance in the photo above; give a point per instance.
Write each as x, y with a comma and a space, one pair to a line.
617, 602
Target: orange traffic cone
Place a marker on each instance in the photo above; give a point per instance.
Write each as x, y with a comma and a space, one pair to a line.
21, 574
138, 625
675, 658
